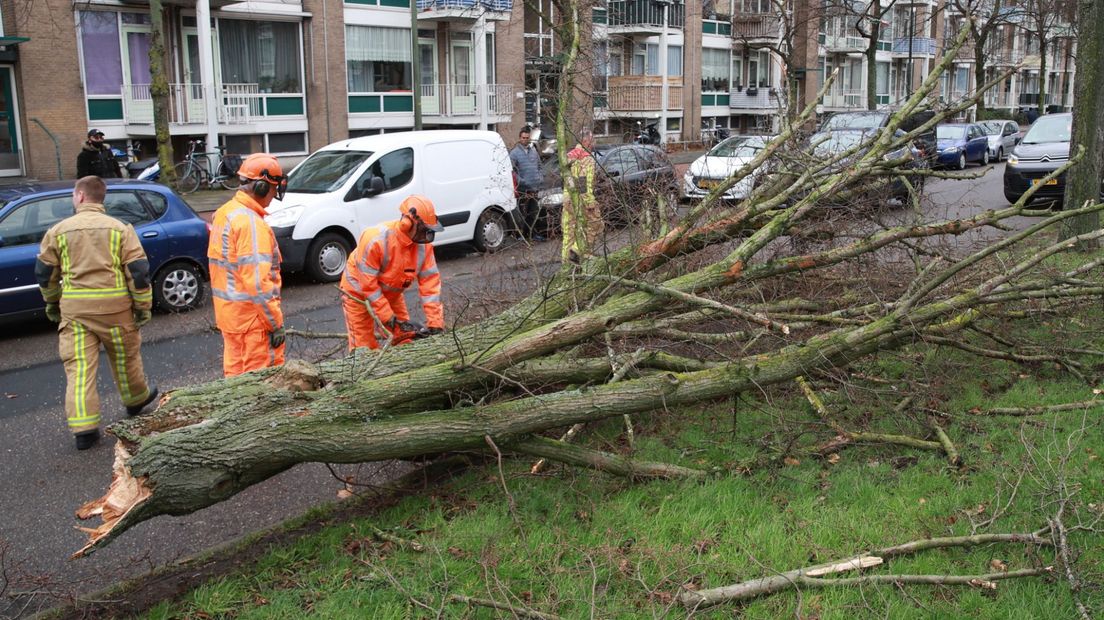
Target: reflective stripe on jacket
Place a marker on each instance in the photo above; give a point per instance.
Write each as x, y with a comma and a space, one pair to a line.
384, 264
89, 253
245, 267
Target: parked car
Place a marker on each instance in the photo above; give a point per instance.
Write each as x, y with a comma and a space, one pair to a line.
720, 163
1043, 150
174, 237
1003, 136
876, 119
960, 143
626, 173
343, 188
829, 144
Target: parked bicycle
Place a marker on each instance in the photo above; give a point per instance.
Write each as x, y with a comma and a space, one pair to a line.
196, 169
644, 134
711, 134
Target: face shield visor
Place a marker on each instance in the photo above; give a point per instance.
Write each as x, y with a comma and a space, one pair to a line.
424, 233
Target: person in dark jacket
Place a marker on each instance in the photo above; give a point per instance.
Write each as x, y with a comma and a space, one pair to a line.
96, 158
526, 162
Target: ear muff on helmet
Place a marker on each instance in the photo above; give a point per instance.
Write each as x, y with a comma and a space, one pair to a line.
262, 186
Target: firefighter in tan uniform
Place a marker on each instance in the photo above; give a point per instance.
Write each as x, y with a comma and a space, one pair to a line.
94, 277
581, 219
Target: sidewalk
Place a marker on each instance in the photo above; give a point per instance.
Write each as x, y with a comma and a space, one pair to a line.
208, 200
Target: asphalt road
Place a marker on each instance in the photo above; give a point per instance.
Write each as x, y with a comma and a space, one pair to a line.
46, 479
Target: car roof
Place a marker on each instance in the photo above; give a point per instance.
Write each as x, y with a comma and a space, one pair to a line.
406, 138
955, 124
9, 193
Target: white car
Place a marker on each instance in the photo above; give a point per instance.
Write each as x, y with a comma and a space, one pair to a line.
1003, 136
343, 188
722, 161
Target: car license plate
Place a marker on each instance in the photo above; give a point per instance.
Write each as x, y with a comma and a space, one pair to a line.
708, 183
1050, 182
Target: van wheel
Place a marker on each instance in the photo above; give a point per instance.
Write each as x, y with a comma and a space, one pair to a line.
490, 231
178, 287
326, 257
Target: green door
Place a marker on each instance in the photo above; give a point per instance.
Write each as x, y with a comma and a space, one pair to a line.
9, 136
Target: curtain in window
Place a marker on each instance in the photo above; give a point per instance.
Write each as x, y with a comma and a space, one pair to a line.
103, 67
378, 59
882, 86
674, 60
715, 70
138, 45
262, 53
652, 62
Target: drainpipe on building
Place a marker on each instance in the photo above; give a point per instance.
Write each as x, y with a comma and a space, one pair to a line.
57, 145
207, 77
415, 65
663, 89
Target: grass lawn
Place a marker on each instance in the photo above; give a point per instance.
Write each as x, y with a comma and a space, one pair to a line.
582, 544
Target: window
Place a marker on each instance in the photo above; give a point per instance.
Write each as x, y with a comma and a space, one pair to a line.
325, 171
244, 143
262, 53
155, 201
763, 73
738, 70
127, 207
103, 68
646, 59
287, 142
962, 77
882, 85
28, 223
395, 168
674, 60
715, 70
378, 59
621, 162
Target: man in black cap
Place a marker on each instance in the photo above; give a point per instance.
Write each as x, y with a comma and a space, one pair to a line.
96, 158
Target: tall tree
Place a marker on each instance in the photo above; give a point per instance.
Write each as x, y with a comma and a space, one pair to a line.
1045, 21
159, 92
1083, 183
869, 25
988, 17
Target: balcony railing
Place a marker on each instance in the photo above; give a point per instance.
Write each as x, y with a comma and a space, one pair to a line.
463, 99
1005, 58
921, 46
999, 100
1033, 99
644, 13
844, 43
441, 5
756, 26
753, 99
845, 98
638, 94
238, 104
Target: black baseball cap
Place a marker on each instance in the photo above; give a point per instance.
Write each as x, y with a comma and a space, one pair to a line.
94, 132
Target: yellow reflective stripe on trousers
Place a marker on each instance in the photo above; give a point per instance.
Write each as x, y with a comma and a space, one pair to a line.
117, 258
120, 364
95, 293
80, 387
140, 296
63, 249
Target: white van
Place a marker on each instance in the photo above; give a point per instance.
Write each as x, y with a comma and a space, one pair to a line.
343, 188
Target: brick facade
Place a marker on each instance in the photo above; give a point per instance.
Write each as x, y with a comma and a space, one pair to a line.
326, 87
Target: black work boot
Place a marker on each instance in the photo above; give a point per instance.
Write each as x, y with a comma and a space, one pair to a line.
133, 410
87, 439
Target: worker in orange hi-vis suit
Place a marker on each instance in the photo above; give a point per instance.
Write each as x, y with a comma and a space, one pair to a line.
385, 263
245, 270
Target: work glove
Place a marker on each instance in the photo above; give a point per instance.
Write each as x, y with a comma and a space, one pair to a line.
276, 337
141, 317
53, 312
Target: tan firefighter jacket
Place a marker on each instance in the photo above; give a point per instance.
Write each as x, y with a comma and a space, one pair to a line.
93, 264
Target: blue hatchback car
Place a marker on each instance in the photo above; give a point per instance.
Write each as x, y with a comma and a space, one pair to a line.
958, 144
174, 237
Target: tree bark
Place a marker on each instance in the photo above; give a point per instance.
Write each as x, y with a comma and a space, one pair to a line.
159, 93
1083, 182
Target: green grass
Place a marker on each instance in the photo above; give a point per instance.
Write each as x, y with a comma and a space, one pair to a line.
579, 541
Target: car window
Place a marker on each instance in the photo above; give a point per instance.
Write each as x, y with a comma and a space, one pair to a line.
29, 222
855, 120
395, 168
1009, 129
325, 171
945, 132
653, 158
990, 128
127, 207
156, 202
622, 161
1049, 129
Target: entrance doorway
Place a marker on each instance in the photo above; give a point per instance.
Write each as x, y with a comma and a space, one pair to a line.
10, 156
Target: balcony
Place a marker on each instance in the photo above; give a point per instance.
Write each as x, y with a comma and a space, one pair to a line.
1004, 58
844, 44
464, 10
642, 16
462, 100
756, 26
845, 98
999, 100
1032, 99
921, 47
239, 104
638, 93
753, 99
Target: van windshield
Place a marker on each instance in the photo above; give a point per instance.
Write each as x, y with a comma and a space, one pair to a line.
1055, 128
325, 171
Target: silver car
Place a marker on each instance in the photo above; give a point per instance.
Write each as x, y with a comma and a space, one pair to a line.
1003, 136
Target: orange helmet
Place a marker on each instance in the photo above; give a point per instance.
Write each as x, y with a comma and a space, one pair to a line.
264, 167
420, 209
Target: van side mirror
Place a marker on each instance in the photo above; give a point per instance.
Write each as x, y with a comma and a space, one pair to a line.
366, 187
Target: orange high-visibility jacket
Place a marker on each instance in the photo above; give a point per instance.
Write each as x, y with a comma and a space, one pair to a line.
245, 268
386, 262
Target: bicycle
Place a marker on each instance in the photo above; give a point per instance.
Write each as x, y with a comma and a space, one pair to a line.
196, 169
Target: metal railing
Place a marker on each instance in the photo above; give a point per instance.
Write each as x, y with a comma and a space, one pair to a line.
238, 104
999, 100
643, 97
845, 98
644, 13
463, 99
921, 46
491, 5
756, 26
752, 99
844, 43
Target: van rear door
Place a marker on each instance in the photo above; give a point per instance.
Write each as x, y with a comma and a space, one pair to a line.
461, 184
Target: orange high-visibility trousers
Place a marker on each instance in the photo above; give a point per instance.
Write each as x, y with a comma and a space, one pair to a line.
361, 326
246, 351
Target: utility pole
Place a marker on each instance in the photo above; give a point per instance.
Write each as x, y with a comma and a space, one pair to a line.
664, 87
415, 66
159, 93
211, 97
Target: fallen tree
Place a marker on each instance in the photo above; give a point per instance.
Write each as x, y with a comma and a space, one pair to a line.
716, 306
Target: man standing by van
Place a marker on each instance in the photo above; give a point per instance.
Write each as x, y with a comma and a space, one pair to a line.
526, 161
582, 219
385, 263
244, 263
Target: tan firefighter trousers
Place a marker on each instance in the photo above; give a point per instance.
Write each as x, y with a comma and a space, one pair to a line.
79, 346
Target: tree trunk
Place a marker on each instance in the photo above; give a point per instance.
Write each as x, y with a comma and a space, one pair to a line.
1083, 182
1042, 73
872, 55
979, 75
159, 93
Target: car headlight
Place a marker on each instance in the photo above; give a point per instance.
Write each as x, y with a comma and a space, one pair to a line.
1013, 160
285, 217
951, 149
